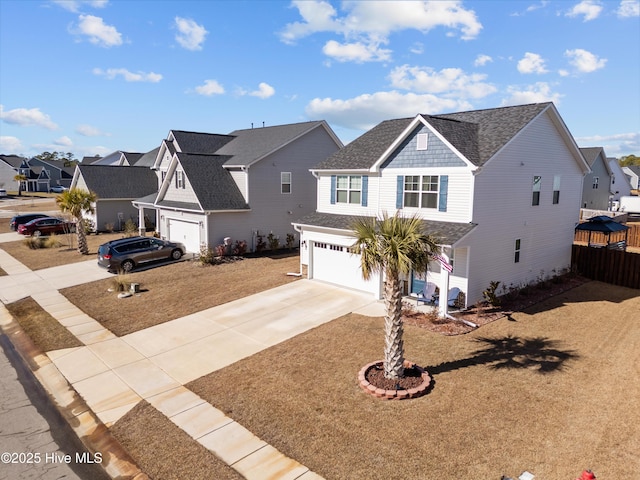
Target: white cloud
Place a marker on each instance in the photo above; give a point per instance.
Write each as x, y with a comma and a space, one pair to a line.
27, 118
448, 81
620, 144
417, 48
210, 87
264, 91
111, 73
482, 60
74, 5
98, 32
584, 61
10, 144
589, 9
190, 35
365, 111
629, 8
356, 52
531, 63
63, 141
366, 25
536, 93
89, 131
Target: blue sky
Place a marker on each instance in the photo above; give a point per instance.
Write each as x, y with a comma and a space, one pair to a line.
92, 77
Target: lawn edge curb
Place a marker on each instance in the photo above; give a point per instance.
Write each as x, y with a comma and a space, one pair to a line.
93, 434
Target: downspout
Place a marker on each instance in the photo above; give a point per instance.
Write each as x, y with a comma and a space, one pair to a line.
299, 274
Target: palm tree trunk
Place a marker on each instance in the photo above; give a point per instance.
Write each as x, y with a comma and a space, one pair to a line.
83, 247
393, 328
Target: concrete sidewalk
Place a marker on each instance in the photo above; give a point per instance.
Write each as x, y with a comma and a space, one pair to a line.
113, 374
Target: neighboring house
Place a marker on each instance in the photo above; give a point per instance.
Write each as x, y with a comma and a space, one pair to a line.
118, 159
56, 170
37, 179
633, 173
500, 188
596, 193
241, 186
115, 188
9, 168
88, 160
620, 186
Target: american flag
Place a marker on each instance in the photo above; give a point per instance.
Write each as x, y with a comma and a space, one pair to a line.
443, 262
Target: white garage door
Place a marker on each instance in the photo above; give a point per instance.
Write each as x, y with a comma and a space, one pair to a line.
335, 264
187, 233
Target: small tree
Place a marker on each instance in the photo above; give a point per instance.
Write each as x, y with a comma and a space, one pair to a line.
391, 246
20, 178
75, 202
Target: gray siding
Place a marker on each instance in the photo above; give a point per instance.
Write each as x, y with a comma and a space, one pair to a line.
596, 198
437, 153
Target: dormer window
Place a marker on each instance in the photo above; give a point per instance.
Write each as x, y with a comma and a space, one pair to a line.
422, 141
180, 179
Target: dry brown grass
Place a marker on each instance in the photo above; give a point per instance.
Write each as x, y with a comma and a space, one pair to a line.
53, 257
179, 289
2, 272
44, 330
164, 451
553, 391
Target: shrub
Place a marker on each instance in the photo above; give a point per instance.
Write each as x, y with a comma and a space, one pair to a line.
260, 243
240, 247
121, 282
34, 243
109, 227
274, 241
130, 228
221, 250
490, 294
52, 241
206, 254
291, 238
88, 225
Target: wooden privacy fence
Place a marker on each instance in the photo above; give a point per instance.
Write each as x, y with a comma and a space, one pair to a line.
606, 265
633, 236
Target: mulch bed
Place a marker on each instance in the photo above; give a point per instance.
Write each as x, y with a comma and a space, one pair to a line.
484, 313
412, 379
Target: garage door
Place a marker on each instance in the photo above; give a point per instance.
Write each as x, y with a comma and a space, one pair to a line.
187, 233
335, 264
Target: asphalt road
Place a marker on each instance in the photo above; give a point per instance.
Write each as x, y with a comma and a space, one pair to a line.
35, 440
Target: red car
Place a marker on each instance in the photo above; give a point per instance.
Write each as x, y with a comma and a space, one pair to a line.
46, 226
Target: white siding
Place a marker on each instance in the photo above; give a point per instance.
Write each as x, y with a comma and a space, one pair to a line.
503, 211
240, 178
324, 198
185, 194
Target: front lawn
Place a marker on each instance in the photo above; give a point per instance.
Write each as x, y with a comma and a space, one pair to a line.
553, 390
179, 289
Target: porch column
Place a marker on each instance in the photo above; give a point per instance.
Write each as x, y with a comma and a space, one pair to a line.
443, 299
141, 226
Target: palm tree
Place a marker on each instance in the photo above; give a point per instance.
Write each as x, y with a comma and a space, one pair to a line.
20, 178
391, 246
76, 201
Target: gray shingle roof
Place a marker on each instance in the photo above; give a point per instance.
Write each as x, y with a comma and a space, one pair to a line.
196, 142
14, 160
477, 134
148, 159
590, 154
212, 184
119, 182
252, 144
447, 233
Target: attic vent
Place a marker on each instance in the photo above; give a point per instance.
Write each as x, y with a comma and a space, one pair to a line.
422, 141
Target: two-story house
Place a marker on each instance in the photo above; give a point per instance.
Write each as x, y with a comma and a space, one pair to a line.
620, 186
242, 186
500, 188
57, 172
596, 188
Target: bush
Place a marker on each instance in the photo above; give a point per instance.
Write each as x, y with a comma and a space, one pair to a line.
490, 294
121, 282
207, 254
260, 243
274, 241
291, 238
109, 227
221, 250
240, 247
34, 243
130, 228
52, 241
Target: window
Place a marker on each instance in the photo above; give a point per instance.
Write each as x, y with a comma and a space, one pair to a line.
517, 255
348, 189
421, 141
556, 189
180, 179
537, 183
595, 182
421, 192
285, 182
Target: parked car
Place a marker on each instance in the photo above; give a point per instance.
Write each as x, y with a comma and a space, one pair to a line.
18, 220
127, 253
46, 226
3, 192
57, 189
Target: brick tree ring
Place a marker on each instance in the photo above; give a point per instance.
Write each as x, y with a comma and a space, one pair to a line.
400, 394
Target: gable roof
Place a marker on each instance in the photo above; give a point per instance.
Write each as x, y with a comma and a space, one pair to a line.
591, 154
477, 134
14, 160
250, 145
197, 142
148, 159
212, 183
108, 181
